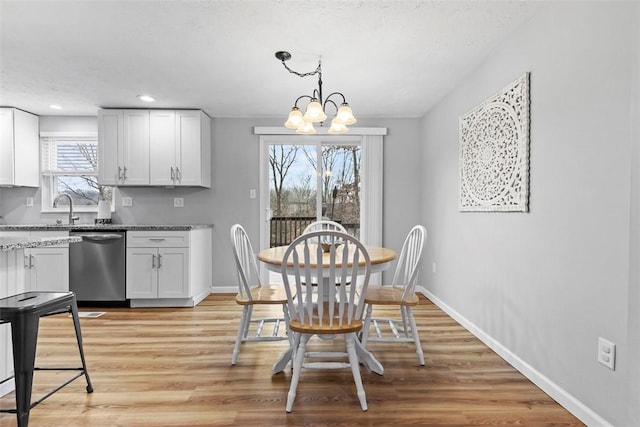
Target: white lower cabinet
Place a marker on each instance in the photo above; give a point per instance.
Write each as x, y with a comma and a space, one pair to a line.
46, 268
157, 273
168, 268
11, 283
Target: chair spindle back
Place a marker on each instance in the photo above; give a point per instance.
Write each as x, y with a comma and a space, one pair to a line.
329, 282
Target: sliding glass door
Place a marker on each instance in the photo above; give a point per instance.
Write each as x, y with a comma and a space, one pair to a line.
308, 178
309, 181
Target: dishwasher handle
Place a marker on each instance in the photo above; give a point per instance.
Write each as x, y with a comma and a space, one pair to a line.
101, 237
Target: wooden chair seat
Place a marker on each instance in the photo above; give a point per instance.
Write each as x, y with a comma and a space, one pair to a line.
326, 325
389, 295
268, 294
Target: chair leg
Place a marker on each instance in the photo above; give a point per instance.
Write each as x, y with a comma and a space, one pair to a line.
355, 368
416, 337
365, 326
301, 343
24, 339
242, 333
285, 312
403, 313
289, 354
76, 325
247, 321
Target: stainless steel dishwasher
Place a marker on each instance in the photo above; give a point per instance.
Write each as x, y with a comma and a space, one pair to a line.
97, 267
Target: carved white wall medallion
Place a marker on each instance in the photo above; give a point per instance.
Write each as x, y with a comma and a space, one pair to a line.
494, 152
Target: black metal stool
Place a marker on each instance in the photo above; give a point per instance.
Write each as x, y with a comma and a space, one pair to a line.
24, 311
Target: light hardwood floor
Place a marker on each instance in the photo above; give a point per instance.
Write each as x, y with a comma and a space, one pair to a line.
171, 367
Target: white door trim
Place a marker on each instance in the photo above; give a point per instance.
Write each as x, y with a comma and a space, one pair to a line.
371, 140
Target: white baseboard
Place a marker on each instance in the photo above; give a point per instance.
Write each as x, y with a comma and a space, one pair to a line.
224, 289
569, 402
7, 387
197, 299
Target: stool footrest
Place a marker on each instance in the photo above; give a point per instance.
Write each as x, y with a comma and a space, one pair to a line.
70, 380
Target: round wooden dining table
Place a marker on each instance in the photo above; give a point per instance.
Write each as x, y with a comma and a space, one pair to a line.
380, 257
380, 260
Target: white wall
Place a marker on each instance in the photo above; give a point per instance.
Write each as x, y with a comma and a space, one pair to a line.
546, 284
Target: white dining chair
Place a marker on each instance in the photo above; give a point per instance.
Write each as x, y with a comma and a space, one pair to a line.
335, 309
251, 292
401, 293
324, 224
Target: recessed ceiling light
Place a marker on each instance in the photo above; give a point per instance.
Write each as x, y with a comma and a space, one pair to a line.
146, 98
55, 107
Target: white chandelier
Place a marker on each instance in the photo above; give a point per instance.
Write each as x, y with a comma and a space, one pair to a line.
315, 111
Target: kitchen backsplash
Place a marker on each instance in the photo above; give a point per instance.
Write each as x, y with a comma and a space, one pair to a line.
149, 206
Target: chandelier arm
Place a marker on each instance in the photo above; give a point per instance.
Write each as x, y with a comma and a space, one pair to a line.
299, 98
344, 100
327, 101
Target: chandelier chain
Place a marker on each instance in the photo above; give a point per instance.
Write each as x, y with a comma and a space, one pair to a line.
318, 70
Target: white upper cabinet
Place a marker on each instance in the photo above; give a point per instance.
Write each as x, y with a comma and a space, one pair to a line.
163, 157
123, 148
19, 148
135, 147
109, 136
181, 154
193, 148
159, 147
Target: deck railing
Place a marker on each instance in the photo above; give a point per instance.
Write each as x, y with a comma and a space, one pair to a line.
284, 229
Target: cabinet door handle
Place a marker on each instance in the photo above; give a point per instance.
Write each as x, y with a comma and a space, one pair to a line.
153, 261
157, 239
178, 174
159, 261
124, 173
32, 264
119, 173
26, 261
173, 176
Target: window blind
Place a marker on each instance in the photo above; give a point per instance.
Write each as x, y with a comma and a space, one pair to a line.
69, 156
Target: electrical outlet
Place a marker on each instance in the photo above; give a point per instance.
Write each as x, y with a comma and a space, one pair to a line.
127, 201
178, 202
252, 193
29, 201
607, 353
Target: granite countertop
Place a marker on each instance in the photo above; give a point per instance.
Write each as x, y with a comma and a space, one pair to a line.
97, 227
15, 243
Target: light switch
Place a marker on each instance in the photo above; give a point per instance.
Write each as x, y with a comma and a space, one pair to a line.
252, 193
178, 202
29, 201
127, 201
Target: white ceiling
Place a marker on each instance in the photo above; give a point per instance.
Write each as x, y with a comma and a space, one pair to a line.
389, 58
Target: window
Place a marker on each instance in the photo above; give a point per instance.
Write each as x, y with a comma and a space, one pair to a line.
69, 164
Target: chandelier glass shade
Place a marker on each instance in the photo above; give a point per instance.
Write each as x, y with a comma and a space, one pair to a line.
316, 108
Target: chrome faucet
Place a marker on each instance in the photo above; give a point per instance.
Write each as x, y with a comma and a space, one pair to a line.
72, 218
